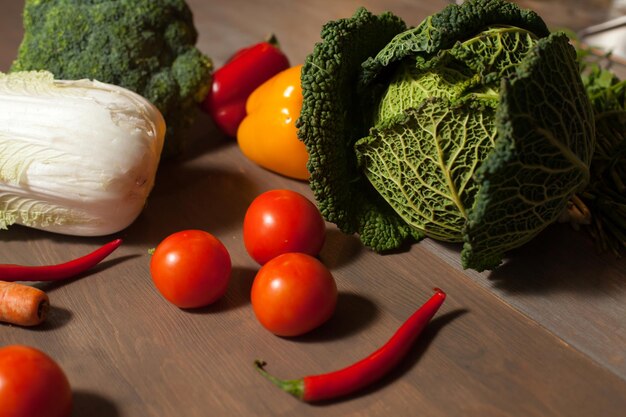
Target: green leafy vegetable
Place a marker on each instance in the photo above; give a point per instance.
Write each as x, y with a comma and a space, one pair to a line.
605, 196
472, 127
144, 45
328, 88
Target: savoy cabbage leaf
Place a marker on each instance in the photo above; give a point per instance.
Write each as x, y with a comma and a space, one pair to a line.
329, 128
423, 165
542, 155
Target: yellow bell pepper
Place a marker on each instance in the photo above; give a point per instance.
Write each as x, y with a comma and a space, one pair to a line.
268, 135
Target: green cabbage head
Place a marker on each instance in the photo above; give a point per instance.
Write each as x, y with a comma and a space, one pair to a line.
472, 127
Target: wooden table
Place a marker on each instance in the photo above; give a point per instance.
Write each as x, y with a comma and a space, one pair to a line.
544, 335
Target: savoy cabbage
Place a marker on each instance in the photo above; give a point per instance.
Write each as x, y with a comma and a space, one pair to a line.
473, 127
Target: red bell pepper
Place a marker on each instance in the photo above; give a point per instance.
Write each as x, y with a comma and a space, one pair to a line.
247, 69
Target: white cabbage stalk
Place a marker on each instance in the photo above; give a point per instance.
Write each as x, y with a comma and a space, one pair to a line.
76, 157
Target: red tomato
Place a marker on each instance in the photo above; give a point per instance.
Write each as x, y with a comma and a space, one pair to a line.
282, 221
191, 268
32, 384
293, 294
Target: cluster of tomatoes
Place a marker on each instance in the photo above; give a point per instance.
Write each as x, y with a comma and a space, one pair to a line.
292, 292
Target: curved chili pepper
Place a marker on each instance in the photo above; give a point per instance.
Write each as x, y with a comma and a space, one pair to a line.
9, 272
238, 78
366, 371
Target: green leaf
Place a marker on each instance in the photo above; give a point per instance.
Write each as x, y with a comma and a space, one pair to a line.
542, 154
423, 164
606, 194
442, 30
331, 121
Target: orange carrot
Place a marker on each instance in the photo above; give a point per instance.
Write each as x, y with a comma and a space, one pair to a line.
22, 305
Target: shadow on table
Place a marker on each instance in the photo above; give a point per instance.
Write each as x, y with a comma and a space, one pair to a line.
353, 313
192, 197
560, 259
57, 318
340, 249
88, 403
237, 295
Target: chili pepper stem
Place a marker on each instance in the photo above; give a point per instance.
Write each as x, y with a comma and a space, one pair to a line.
294, 387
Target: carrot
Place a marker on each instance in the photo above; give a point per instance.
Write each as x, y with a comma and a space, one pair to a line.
22, 305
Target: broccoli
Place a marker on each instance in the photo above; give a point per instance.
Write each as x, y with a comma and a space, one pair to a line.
144, 45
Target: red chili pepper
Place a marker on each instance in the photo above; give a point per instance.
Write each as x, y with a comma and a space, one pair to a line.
366, 371
238, 78
9, 272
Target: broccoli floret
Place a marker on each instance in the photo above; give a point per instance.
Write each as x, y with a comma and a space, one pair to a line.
147, 46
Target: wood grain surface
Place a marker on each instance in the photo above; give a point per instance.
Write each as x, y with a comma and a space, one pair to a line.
544, 335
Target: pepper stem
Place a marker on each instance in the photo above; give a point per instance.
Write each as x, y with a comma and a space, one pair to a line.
272, 40
294, 387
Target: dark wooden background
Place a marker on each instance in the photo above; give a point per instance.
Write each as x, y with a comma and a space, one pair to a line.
544, 335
